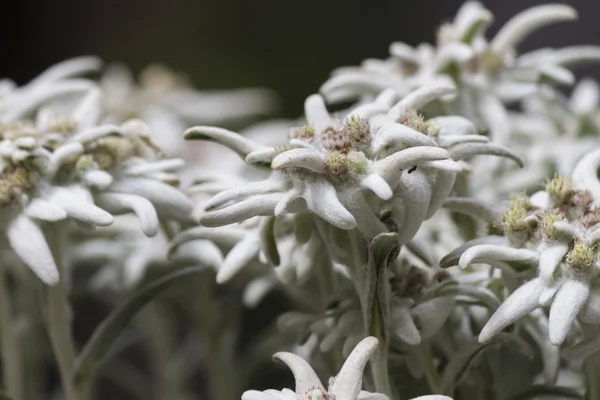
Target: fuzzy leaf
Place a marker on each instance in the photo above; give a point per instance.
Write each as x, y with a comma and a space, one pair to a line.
466, 357
106, 334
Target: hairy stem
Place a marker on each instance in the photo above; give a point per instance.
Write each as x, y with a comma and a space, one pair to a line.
11, 354
423, 354
59, 325
59, 329
379, 361
592, 365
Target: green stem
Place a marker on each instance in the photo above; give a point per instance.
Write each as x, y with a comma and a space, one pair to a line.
423, 354
379, 361
59, 325
59, 329
11, 358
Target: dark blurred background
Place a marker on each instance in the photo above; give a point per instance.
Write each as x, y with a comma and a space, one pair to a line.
286, 45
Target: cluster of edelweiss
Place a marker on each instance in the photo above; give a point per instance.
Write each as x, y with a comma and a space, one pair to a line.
459, 154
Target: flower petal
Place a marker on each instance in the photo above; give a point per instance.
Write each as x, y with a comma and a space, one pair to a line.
263, 205
118, 203
236, 142
524, 23
67, 153
238, 257
567, 303
310, 159
28, 241
348, 382
305, 376
169, 201
420, 97
486, 253
78, 204
321, 198
404, 326
316, 113
520, 303
41, 209
550, 258
391, 167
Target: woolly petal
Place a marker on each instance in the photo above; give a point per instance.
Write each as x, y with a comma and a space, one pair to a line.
486, 253
391, 167
256, 290
316, 113
28, 241
223, 236
145, 168
567, 303
528, 21
98, 179
118, 203
377, 185
414, 192
67, 153
321, 198
576, 55
44, 210
585, 174
520, 303
262, 205
452, 53
305, 376
420, 97
95, 133
202, 252
471, 19
43, 93
234, 141
168, 201
239, 257
89, 110
348, 382
453, 257
310, 159
244, 191
78, 204
585, 97
364, 395
262, 156
394, 137
440, 189
287, 201
478, 208
69, 68
451, 125
496, 118
466, 150
404, 326
550, 258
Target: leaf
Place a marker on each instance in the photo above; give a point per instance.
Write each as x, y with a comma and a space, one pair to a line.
466, 357
382, 248
111, 328
557, 392
268, 242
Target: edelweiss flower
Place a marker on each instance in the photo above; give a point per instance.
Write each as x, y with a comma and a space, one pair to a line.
487, 74
346, 385
556, 230
341, 171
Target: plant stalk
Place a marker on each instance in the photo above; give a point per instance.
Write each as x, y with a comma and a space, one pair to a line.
11, 354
